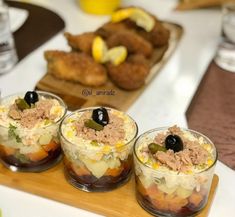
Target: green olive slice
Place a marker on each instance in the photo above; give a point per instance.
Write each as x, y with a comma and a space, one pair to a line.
93, 125
154, 148
22, 104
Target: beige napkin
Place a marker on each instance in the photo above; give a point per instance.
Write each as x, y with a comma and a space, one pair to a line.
195, 4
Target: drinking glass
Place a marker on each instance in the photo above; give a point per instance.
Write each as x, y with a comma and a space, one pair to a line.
225, 55
8, 56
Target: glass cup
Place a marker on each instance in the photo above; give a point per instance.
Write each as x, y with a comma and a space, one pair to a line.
92, 165
225, 55
169, 193
29, 150
8, 56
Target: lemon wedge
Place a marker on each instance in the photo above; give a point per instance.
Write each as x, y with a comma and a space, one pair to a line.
139, 16
142, 19
116, 55
121, 14
99, 49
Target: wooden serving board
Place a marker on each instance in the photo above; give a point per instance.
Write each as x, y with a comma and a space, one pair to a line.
196, 4
52, 184
78, 96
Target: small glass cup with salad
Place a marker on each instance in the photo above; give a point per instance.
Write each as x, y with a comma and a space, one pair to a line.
174, 168
29, 125
97, 143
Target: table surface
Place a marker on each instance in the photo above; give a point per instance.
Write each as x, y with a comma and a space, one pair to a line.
163, 103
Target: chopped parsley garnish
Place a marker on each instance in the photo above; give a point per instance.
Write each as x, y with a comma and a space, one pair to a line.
12, 134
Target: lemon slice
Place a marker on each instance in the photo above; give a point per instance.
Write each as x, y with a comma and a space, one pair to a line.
121, 14
116, 55
99, 49
142, 19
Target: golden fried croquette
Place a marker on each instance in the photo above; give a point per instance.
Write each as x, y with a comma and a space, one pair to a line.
134, 43
130, 74
159, 36
110, 28
77, 67
82, 42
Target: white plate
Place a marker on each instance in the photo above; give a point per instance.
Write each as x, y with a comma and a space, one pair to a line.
17, 18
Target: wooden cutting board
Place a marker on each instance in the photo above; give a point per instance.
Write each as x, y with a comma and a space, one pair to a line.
52, 184
196, 4
78, 96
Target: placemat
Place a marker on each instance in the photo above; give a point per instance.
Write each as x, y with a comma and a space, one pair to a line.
212, 111
39, 27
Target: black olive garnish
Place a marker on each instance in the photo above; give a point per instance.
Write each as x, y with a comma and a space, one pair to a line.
31, 97
100, 116
174, 143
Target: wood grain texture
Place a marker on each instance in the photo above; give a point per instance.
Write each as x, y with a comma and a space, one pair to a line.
212, 111
52, 184
79, 96
196, 4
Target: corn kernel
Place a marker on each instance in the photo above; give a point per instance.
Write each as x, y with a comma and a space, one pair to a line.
106, 149
189, 172
155, 165
210, 162
70, 134
2, 109
207, 147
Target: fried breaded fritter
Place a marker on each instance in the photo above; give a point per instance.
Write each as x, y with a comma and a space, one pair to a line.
77, 67
82, 42
134, 43
159, 36
130, 74
108, 29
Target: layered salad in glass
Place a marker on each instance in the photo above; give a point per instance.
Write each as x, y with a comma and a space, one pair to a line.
29, 124
174, 168
98, 143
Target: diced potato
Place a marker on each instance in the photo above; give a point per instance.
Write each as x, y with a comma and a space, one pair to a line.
97, 168
183, 192
45, 139
166, 189
113, 163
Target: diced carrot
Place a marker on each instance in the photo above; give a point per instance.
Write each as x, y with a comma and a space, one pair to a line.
141, 188
176, 203
160, 204
37, 156
153, 191
50, 146
195, 198
79, 170
7, 150
113, 172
